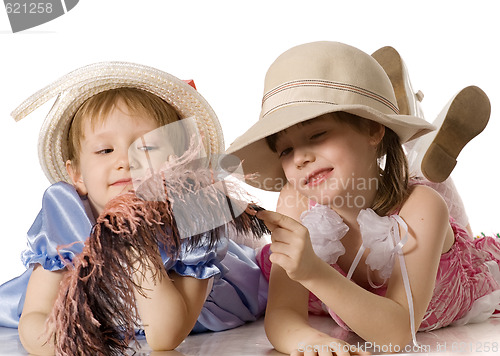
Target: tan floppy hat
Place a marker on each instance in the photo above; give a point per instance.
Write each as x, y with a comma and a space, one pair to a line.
75, 88
308, 81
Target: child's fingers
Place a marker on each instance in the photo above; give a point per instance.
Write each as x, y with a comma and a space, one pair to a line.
269, 225
273, 220
278, 246
281, 260
281, 235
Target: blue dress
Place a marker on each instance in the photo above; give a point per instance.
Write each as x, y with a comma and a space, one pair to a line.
239, 290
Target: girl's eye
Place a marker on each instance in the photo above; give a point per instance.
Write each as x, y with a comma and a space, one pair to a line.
285, 152
146, 148
318, 135
104, 151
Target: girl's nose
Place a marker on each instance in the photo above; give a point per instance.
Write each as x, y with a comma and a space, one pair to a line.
122, 161
302, 156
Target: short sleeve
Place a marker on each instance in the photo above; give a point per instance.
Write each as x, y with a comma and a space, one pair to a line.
199, 262
64, 223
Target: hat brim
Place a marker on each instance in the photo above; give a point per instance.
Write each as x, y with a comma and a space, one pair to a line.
257, 157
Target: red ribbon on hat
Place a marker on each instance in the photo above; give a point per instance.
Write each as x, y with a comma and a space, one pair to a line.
191, 82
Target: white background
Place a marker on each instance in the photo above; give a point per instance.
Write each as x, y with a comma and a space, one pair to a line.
226, 47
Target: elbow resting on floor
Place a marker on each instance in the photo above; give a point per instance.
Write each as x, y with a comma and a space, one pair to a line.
164, 341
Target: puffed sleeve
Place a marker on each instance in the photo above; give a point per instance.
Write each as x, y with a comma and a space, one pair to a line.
62, 222
199, 262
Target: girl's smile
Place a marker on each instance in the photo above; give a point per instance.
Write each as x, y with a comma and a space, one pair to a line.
122, 182
318, 177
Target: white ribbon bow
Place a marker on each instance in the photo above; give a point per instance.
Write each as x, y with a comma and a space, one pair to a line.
381, 235
326, 228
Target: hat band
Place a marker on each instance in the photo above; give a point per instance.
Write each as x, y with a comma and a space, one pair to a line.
325, 92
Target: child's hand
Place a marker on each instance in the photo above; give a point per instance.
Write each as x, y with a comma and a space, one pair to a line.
291, 245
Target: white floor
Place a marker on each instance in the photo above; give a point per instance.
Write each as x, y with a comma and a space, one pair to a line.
250, 339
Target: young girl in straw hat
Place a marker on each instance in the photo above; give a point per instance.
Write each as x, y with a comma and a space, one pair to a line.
102, 113
353, 236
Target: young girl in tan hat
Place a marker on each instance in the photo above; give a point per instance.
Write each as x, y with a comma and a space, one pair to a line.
353, 236
103, 112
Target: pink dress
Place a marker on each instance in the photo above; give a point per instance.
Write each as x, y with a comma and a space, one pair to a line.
467, 285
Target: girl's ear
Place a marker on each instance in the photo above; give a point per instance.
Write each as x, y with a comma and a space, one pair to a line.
377, 132
76, 178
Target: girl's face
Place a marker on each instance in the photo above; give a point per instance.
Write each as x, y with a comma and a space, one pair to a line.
330, 161
104, 169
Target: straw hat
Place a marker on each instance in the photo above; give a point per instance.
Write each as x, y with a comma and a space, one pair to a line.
75, 88
308, 81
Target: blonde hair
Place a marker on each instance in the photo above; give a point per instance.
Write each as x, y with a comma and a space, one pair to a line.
97, 108
392, 187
